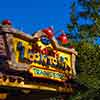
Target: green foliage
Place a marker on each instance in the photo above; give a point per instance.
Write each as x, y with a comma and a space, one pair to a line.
88, 60
88, 71
89, 64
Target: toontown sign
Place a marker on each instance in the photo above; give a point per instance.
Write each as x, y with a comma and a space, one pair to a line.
35, 62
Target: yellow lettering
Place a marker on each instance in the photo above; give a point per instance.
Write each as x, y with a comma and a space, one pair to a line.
66, 62
50, 59
44, 59
54, 61
36, 57
26, 51
31, 57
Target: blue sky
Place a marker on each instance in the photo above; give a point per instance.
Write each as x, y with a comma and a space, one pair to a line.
33, 15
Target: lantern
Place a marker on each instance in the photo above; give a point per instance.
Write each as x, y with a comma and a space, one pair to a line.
49, 32
63, 38
6, 22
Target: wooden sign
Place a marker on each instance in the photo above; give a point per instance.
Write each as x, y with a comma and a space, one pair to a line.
38, 57
43, 59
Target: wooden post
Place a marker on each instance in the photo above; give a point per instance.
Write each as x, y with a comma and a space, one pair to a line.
73, 64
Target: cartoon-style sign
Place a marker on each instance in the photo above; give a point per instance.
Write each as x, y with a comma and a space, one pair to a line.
39, 57
42, 55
